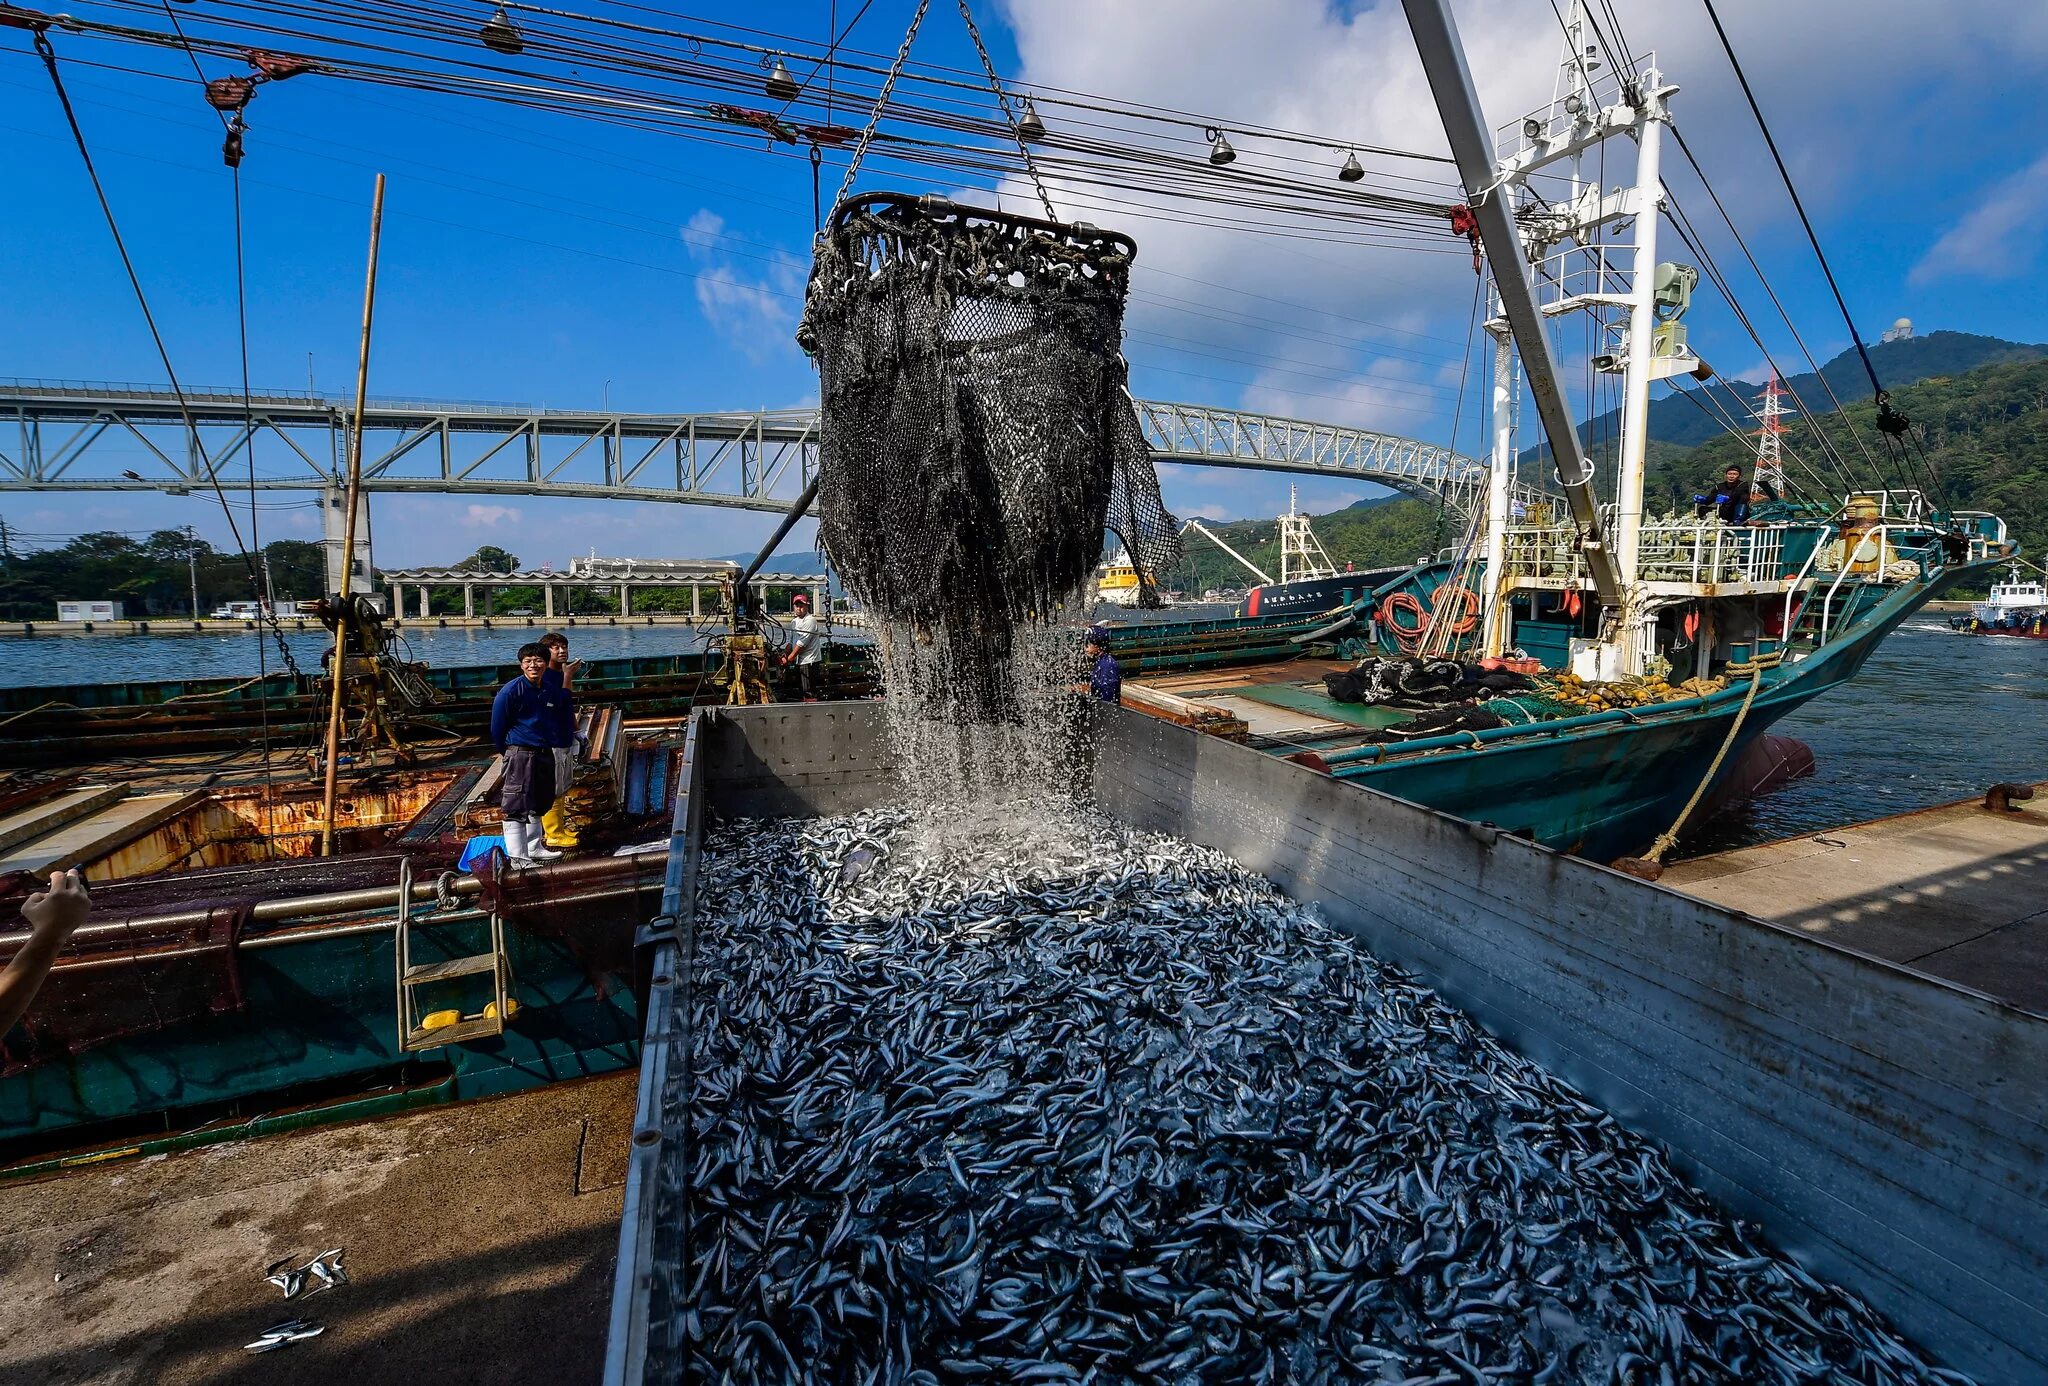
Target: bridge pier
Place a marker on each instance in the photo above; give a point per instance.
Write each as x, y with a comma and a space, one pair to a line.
423, 603
468, 601
625, 600
333, 539
547, 602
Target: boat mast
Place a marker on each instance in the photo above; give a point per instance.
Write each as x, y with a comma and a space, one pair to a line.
1492, 580
1457, 103
1648, 209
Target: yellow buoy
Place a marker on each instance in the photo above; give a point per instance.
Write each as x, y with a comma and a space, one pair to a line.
511, 1009
441, 1020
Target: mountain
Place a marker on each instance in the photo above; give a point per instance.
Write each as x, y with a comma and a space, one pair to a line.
1689, 422
797, 563
1985, 433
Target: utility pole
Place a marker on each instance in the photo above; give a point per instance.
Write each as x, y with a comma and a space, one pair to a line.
607, 397
192, 565
6, 543
269, 587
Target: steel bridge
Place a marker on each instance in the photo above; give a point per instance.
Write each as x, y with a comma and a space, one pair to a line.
62, 435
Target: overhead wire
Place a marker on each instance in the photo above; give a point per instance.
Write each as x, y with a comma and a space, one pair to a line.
1890, 422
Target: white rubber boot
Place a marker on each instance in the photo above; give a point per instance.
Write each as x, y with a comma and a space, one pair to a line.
515, 842
537, 841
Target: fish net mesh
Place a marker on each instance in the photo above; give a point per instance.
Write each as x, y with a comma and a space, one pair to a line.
977, 436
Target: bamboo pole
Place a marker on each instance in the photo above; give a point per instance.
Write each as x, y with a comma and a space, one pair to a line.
337, 671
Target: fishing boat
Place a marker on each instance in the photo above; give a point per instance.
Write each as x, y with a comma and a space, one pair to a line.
2017, 606
1667, 645
1118, 583
1309, 581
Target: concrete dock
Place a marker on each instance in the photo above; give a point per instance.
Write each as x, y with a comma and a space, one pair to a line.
478, 1239
1959, 891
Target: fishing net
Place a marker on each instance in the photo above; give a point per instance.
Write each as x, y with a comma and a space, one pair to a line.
977, 436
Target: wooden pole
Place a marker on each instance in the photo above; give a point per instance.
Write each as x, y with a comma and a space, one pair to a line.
337, 671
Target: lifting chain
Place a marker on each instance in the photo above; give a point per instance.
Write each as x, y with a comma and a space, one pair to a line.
1002, 100
867, 135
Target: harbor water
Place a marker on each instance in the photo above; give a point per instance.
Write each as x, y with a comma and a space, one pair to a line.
1935, 715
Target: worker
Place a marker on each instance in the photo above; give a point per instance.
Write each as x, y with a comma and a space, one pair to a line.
1731, 502
523, 722
807, 652
1105, 677
52, 916
561, 676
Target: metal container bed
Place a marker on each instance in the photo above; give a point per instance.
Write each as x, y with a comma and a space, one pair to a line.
1887, 1129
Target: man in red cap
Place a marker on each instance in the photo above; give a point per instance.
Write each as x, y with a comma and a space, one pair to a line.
807, 652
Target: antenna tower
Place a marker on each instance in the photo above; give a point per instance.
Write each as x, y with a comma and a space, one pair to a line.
1770, 460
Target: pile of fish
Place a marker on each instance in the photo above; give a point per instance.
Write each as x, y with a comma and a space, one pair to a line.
1067, 1102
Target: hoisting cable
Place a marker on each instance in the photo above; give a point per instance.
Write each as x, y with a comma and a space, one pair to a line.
48, 54
1010, 117
1889, 420
233, 127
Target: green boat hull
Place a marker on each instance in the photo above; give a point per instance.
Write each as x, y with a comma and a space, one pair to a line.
318, 1032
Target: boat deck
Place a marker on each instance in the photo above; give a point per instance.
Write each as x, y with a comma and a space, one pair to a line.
1278, 701
476, 1237
1958, 891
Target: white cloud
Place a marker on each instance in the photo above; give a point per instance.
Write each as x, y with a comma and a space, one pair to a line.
1861, 121
489, 516
1999, 238
1204, 512
756, 312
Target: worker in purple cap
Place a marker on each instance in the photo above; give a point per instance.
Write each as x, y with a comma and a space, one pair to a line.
1105, 678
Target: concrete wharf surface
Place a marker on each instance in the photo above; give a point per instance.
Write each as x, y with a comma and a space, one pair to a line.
1958, 891
478, 1239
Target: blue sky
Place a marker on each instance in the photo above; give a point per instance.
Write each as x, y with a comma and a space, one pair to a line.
538, 259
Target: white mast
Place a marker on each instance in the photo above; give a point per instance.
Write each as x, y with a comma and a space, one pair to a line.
1495, 636
1301, 554
1642, 324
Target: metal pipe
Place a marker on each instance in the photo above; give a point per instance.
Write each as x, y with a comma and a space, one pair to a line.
1457, 103
348, 901
789, 519
337, 675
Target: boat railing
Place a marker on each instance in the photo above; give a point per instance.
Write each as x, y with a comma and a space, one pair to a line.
1543, 554
1683, 549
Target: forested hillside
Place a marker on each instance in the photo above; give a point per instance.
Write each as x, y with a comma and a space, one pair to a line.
1984, 430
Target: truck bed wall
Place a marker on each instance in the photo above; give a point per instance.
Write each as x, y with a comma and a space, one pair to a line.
1887, 1129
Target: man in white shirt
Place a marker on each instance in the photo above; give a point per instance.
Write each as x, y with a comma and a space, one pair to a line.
807, 652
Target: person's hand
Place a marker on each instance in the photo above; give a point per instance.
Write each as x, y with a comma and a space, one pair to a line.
60, 909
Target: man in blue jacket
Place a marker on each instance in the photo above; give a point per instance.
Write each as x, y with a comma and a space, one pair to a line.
1105, 678
524, 718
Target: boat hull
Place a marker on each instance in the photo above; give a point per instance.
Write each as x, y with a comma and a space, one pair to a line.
1608, 789
318, 1024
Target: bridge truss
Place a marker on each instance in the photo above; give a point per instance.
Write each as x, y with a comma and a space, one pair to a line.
86, 436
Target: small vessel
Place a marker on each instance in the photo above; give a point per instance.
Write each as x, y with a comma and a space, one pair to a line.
1119, 583
2017, 606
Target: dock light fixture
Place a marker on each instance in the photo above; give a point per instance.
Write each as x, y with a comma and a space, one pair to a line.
501, 35
1352, 170
1572, 104
1029, 127
1220, 153
780, 85
1532, 129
